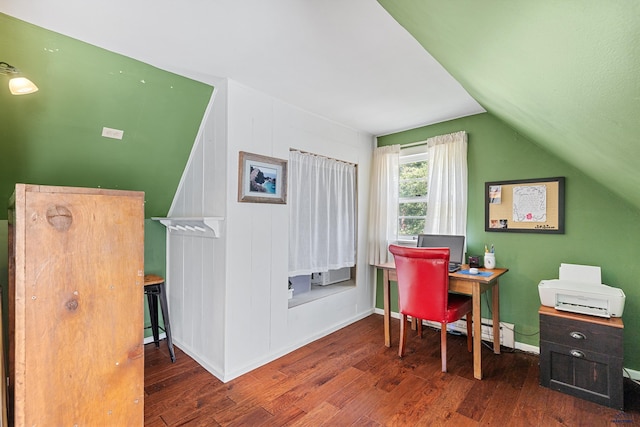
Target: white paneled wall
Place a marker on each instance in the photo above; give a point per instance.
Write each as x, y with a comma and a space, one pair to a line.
228, 296
196, 265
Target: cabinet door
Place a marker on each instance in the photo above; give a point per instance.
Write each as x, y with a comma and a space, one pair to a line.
586, 374
79, 310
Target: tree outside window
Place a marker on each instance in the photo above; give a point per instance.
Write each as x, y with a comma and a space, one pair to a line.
412, 209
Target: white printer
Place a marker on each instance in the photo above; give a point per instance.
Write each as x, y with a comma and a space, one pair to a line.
579, 289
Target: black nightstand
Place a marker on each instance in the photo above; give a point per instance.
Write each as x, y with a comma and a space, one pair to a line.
582, 356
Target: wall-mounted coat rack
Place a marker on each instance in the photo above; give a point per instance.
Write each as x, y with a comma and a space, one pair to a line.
207, 226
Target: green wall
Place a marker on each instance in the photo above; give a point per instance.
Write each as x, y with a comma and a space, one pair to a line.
154, 258
53, 137
601, 228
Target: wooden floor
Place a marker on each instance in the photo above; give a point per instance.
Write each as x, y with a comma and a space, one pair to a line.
350, 378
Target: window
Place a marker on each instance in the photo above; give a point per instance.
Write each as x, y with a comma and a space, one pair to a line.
412, 201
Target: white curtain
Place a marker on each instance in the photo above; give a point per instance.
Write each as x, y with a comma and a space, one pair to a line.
447, 193
383, 203
322, 215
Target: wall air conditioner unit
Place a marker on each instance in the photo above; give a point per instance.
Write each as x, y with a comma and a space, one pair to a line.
331, 276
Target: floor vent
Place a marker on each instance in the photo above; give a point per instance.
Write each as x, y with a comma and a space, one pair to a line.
506, 330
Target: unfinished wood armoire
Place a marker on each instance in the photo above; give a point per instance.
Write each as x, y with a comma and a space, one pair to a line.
76, 285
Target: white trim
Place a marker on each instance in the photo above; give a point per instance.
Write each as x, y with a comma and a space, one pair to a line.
198, 140
149, 339
528, 348
631, 373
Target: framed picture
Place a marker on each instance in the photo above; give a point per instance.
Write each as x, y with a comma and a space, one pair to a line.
262, 179
525, 206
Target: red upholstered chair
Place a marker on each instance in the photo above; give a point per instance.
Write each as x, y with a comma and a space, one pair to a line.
423, 293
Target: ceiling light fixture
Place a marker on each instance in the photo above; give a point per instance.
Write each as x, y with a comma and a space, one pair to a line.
17, 85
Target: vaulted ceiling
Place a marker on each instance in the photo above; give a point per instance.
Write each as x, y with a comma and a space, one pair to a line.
564, 74
348, 61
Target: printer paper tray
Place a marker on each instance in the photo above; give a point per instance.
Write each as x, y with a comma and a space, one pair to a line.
583, 309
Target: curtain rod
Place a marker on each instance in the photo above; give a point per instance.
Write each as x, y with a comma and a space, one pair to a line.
415, 144
324, 157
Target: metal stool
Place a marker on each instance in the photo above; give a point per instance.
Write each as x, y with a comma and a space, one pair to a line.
154, 288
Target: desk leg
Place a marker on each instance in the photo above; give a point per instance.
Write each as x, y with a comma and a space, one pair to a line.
386, 290
477, 332
496, 317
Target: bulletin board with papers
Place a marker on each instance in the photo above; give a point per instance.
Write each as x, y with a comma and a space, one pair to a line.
525, 206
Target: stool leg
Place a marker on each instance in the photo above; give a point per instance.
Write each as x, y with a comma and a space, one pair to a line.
165, 317
152, 300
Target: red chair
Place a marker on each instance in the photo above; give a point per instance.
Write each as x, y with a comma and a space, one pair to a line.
423, 293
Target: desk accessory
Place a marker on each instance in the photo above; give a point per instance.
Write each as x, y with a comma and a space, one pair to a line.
489, 260
479, 273
474, 261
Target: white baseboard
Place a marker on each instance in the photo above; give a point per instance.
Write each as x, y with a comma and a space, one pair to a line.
628, 373
528, 348
507, 333
147, 340
266, 358
228, 375
631, 373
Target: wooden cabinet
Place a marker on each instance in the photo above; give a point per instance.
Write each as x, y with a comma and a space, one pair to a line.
582, 355
76, 277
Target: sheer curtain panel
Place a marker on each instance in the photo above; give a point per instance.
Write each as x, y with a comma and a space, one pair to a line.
383, 203
322, 215
447, 194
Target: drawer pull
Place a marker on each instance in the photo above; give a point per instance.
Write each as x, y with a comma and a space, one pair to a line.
578, 335
576, 353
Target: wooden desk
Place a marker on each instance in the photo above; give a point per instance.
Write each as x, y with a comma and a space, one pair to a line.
463, 284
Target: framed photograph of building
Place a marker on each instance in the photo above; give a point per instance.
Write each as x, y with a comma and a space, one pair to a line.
261, 179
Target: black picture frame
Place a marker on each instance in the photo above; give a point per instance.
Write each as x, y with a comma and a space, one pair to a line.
525, 206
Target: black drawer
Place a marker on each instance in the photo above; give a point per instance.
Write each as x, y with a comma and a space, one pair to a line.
581, 335
586, 374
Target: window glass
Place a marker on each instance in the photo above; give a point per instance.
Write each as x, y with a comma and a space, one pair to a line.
412, 208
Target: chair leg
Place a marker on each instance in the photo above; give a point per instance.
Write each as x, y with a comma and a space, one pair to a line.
469, 333
403, 334
443, 346
419, 327
165, 318
152, 299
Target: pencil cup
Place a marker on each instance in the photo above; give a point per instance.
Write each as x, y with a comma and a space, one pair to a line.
489, 260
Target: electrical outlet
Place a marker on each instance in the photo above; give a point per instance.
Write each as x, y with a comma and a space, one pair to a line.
112, 133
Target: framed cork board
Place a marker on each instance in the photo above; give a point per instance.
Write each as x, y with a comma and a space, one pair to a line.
525, 206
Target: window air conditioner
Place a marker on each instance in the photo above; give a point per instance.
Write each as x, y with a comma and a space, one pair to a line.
331, 276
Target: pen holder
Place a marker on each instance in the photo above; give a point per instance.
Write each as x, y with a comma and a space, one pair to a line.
489, 260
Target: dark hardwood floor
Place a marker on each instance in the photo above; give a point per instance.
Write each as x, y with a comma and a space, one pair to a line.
350, 379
